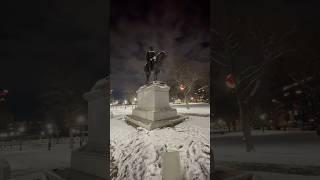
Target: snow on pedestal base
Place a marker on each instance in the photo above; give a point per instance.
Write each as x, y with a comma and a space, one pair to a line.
153, 110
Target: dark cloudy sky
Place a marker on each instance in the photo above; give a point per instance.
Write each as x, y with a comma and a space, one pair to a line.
45, 42
179, 27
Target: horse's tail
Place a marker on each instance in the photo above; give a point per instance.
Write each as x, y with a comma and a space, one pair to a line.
161, 56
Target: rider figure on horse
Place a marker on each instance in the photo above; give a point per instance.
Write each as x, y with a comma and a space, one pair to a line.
150, 57
154, 61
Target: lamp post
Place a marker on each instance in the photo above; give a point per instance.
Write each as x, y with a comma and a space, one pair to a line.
21, 130
80, 122
71, 132
42, 134
11, 135
5, 138
263, 118
50, 131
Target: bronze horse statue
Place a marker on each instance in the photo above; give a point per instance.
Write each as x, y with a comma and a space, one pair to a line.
154, 65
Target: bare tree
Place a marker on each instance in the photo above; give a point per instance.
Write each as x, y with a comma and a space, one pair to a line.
247, 79
186, 77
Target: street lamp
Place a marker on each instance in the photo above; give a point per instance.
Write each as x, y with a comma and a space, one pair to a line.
182, 87
71, 132
21, 130
49, 126
11, 134
80, 120
50, 131
263, 117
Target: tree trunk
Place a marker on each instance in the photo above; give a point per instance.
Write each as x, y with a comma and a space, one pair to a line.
245, 125
186, 99
234, 124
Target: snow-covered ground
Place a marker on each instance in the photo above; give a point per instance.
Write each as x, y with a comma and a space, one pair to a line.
282, 147
35, 157
27, 161
278, 154
136, 153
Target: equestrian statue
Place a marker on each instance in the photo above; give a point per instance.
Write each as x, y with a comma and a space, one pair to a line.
154, 63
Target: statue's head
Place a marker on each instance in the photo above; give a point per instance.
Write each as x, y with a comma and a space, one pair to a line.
150, 48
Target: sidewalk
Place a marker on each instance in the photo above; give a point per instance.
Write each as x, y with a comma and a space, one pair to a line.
277, 176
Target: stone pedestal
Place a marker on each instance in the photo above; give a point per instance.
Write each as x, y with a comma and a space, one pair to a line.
153, 109
91, 159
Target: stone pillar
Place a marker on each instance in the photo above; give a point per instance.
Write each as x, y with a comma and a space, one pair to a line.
97, 116
91, 159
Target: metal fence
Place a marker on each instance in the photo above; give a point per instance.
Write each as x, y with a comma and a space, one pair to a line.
45, 143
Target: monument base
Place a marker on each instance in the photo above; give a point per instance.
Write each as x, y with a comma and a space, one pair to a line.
92, 163
150, 125
155, 115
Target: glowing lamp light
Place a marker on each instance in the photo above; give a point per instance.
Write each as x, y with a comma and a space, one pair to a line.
49, 126
81, 119
21, 129
182, 87
230, 81
263, 116
73, 131
286, 94
4, 135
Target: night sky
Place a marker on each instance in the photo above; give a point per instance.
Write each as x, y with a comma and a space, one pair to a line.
181, 28
46, 44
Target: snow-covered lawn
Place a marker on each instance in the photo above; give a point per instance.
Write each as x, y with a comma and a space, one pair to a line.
195, 108
35, 156
37, 159
136, 153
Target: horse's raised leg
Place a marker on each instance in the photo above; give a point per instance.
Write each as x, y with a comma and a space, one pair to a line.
147, 78
155, 76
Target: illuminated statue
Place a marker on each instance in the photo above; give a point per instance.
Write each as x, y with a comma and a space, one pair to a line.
154, 62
